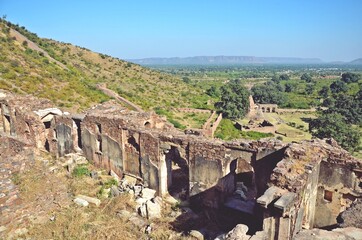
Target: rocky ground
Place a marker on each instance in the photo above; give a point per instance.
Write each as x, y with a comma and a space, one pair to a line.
70, 199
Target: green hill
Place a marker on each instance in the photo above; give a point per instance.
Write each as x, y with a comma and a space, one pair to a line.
68, 74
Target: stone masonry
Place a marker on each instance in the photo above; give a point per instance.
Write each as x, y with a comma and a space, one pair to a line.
284, 187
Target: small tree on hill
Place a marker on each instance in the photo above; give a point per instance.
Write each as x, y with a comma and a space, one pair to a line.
234, 101
306, 77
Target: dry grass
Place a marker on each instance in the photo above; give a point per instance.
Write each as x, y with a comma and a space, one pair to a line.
39, 186
75, 222
100, 222
37, 180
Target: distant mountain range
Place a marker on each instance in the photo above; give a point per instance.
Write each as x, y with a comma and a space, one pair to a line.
223, 60
357, 61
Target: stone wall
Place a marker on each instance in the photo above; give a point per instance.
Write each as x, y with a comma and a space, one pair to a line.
295, 186
15, 157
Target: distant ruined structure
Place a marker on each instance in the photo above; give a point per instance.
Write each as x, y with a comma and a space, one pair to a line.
276, 189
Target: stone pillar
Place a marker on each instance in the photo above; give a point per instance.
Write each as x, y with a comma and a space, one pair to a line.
163, 175
284, 228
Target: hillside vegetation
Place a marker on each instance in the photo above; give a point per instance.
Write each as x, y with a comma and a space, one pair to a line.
68, 74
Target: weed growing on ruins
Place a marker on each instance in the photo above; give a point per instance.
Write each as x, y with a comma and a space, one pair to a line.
80, 171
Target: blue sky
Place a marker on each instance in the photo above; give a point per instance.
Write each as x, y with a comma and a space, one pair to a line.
330, 30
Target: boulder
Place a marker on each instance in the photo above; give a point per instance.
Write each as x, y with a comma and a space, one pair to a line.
196, 235
137, 190
238, 233
153, 210
148, 193
124, 214
142, 210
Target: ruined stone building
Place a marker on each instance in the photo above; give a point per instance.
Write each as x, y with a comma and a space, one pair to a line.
276, 189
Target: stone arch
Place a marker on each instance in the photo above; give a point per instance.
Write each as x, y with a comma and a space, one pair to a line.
147, 124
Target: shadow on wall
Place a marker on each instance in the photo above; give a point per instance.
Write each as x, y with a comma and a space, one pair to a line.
264, 167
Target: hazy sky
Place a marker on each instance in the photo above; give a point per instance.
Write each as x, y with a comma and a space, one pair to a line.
326, 29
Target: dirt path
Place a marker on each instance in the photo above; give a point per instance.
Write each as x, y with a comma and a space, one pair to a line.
21, 38
111, 93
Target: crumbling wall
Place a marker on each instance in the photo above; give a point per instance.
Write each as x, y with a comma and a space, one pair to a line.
335, 193
150, 161
310, 187
15, 156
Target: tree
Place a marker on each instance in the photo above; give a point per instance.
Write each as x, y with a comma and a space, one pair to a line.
284, 77
338, 87
329, 102
289, 87
324, 92
306, 77
309, 89
267, 93
333, 125
213, 91
234, 101
275, 79
349, 107
349, 77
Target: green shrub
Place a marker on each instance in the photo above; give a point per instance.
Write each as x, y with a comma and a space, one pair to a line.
80, 171
255, 135
177, 124
110, 183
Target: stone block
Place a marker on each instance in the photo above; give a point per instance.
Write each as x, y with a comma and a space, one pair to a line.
92, 200
81, 202
269, 195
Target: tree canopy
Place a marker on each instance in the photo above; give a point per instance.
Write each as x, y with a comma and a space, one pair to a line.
338, 87
268, 93
234, 101
349, 77
333, 125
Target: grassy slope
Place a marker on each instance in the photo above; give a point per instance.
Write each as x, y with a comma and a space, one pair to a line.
24, 70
